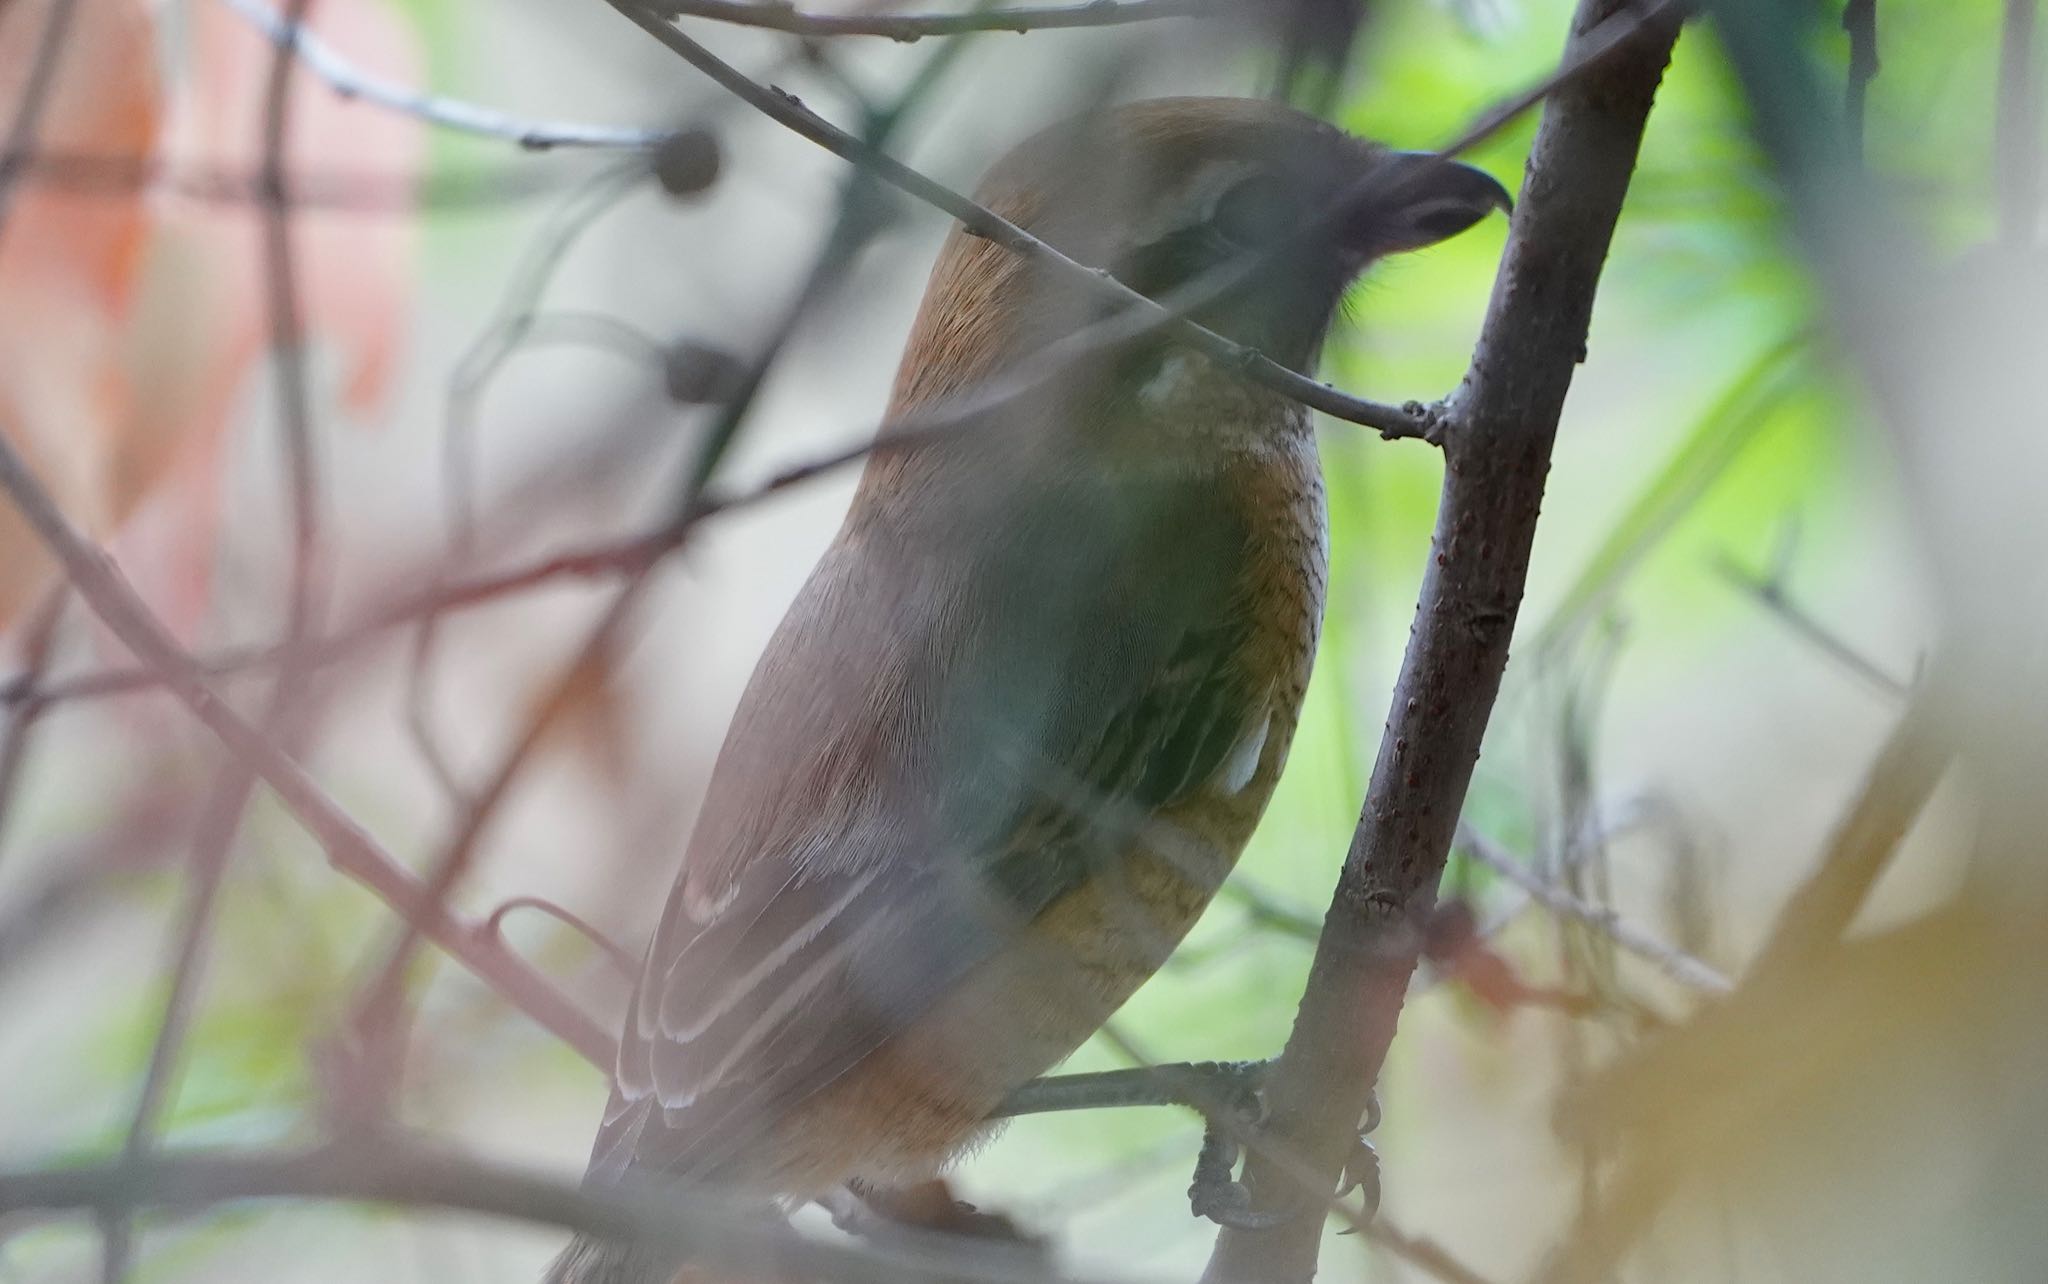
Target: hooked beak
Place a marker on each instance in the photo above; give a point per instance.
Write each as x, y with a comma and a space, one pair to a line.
1424, 199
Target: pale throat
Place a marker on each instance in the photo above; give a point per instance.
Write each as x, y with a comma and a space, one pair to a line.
1194, 402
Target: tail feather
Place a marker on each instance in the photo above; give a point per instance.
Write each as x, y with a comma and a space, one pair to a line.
597, 1261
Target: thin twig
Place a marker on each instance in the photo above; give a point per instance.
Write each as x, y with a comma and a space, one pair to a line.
1770, 592
38, 638
627, 962
1901, 779
221, 822
351, 850
350, 81
772, 15
36, 92
787, 110
377, 1024
1672, 961
702, 1225
334, 190
1423, 1254
615, 557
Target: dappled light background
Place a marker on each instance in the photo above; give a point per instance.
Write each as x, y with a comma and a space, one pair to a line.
1728, 605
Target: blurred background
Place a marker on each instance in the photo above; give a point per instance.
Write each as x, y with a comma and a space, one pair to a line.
508, 349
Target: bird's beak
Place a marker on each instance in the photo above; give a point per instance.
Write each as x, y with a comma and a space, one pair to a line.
1424, 199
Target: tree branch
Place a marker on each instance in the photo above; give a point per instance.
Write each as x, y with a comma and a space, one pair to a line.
2017, 140
351, 850
1497, 442
772, 15
1680, 966
350, 81
393, 1170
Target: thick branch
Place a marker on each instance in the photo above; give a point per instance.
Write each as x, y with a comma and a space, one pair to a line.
1497, 451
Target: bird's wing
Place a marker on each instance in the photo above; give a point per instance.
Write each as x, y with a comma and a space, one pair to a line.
935, 748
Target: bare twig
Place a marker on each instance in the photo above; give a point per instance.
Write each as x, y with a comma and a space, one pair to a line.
350, 81
1497, 443
338, 190
778, 15
701, 1225
221, 822
1902, 778
1423, 1254
616, 557
38, 637
621, 958
1770, 593
351, 850
36, 91
791, 113
1672, 961
377, 1024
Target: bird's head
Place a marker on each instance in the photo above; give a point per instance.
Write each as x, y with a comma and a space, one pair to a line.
1162, 192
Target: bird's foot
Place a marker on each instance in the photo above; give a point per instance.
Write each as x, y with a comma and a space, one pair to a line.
1362, 1166
1215, 1193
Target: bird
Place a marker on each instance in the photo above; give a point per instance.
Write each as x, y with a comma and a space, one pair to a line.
1030, 705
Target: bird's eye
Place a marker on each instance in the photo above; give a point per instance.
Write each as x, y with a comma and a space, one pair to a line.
1253, 212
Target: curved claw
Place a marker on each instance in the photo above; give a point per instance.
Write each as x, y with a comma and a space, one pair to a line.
1362, 1173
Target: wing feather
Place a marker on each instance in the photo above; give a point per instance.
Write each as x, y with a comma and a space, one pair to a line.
933, 750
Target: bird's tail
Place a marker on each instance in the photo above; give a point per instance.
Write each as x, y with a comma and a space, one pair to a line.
598, 1261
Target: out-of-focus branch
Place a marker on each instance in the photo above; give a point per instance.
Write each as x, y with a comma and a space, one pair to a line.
393, 1171
351, 850
119, 178
235, 783
1770, 593
1859, 19
779, 15
1669, 959
786, 110
2017, 141
351, 81
624, 960
1153, 316
36, 90
616, 557
38, 636
1912, 762
1497, 443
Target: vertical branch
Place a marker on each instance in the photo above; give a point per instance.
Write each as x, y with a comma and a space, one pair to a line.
1497, 451
38, 640
2018, 137
1859, 19
35, 97
235, 783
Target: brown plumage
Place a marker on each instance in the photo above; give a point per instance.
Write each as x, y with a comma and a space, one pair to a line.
1024, 716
